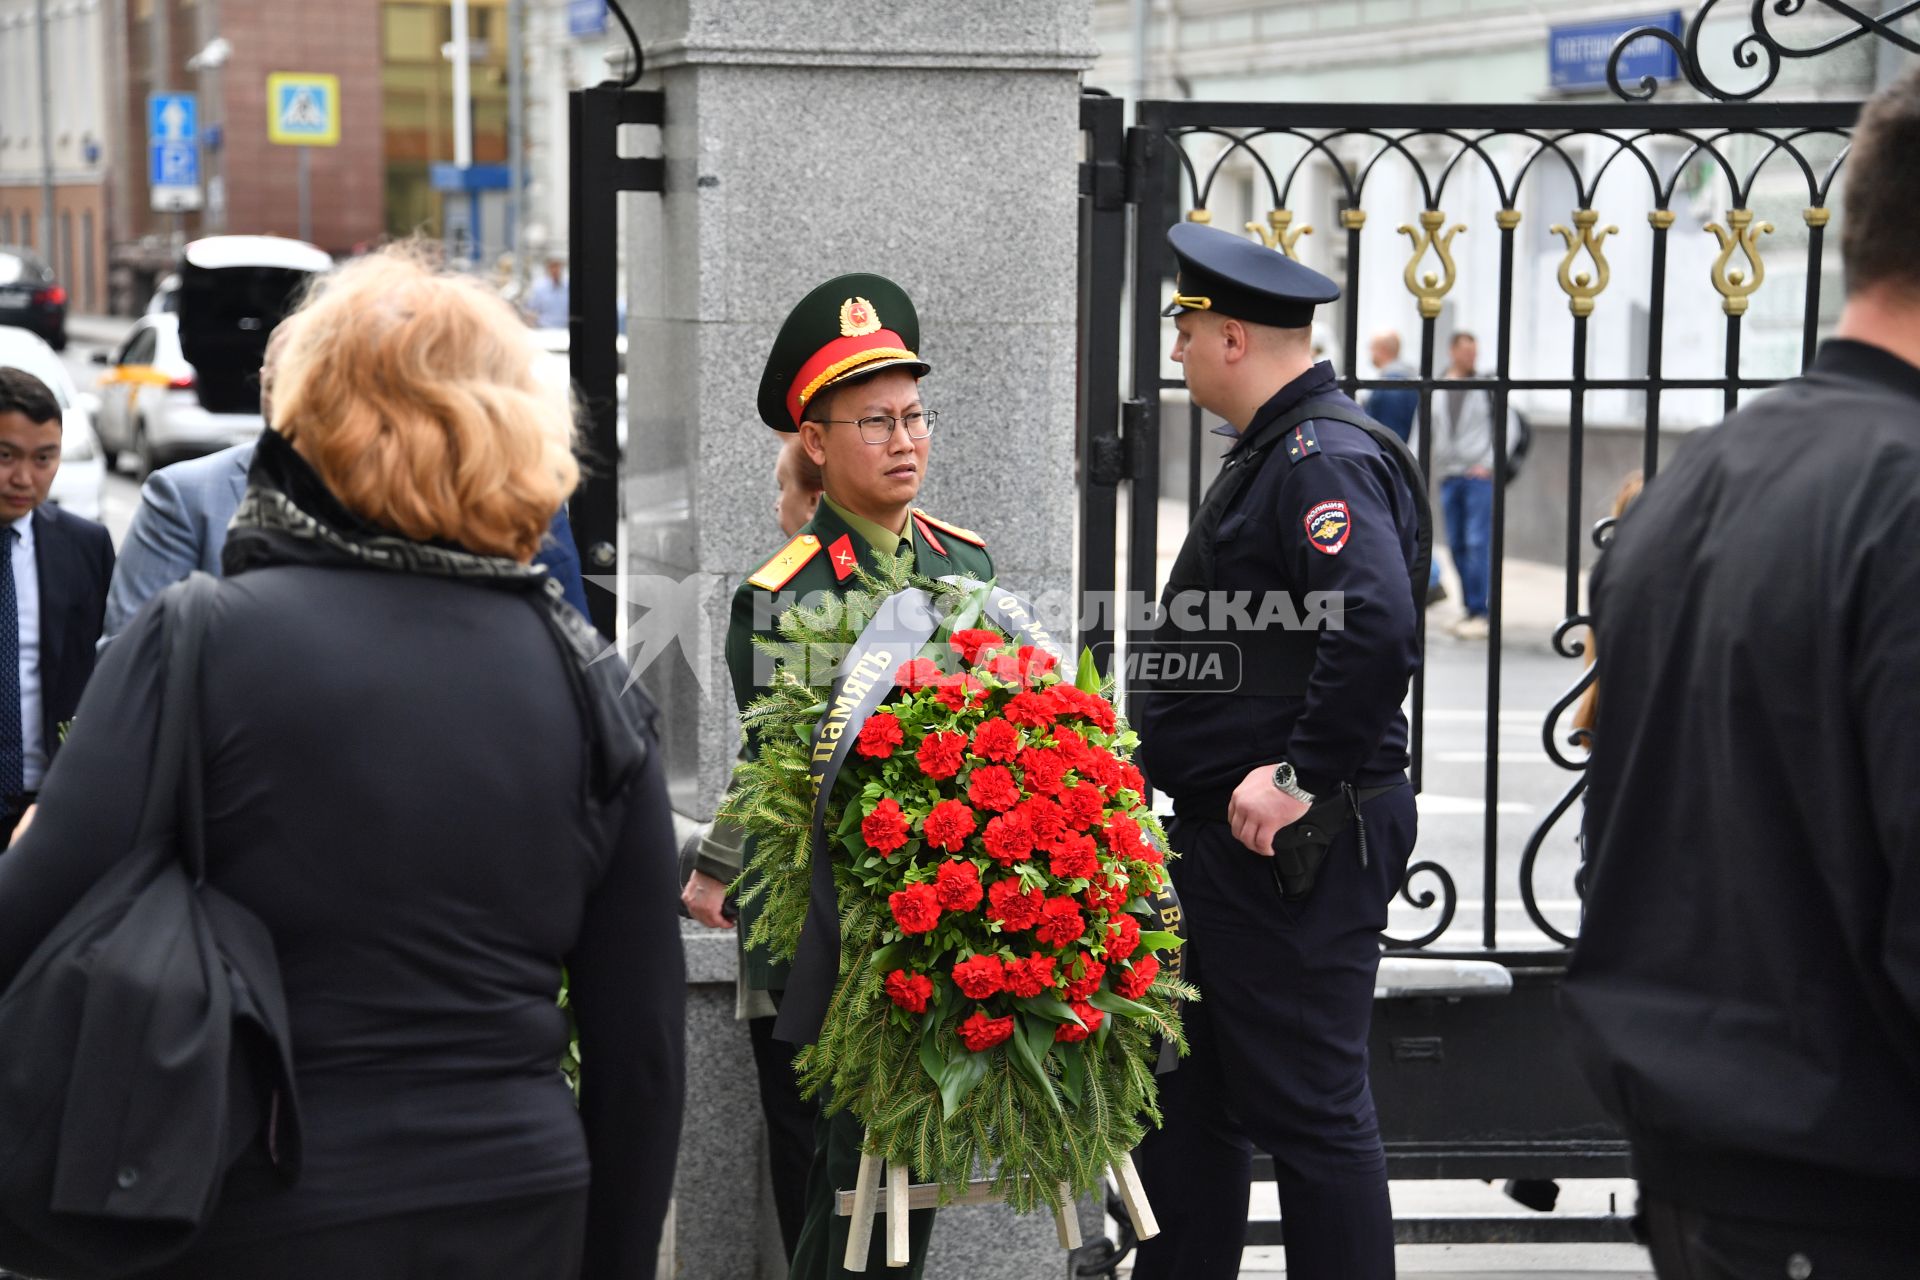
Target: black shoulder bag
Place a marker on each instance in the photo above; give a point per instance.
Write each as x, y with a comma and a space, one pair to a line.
146, 1038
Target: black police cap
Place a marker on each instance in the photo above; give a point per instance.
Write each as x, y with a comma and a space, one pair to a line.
1231, 275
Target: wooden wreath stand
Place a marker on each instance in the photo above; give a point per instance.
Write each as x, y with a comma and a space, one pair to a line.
902, 1197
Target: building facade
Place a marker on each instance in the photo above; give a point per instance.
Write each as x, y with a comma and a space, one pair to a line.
78, 37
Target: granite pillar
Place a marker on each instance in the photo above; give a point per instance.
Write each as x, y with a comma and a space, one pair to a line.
933, 143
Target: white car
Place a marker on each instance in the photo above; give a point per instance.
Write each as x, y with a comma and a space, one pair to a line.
83, 473
186, 380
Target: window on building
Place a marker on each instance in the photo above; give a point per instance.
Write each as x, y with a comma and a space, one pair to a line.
91, 301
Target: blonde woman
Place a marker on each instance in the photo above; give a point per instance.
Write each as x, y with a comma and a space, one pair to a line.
421, 782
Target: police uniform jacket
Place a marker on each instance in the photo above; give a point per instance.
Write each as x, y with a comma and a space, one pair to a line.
822, 558
1329, 510
1745, 994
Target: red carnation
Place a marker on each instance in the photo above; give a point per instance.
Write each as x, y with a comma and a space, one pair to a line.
1071, 746
910, 991
1029, 977
1014, 905
879, 736
1034, 710
1123, 836
1008, 839
1131, 779
949, 825
1083, 802
970, 641
1089, 1016
1073, 701
979, 977
996, 740
885, 829
955, 692
958, 884
1108, 895
1047, 819
1075, 858
1004, 667
1102, 766
1123, 936
941, 752
1134, 982
1090, 971
1036, 661
980, 1033
916, 908
916, 675
992, 787
1044, 770
1061, 922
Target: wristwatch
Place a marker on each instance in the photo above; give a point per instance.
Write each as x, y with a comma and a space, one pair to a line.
1285, 780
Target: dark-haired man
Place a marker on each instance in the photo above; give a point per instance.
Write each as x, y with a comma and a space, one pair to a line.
53, 595
844, 376
1745, 994
1292, 811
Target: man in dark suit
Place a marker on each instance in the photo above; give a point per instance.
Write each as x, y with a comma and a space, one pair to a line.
53, 595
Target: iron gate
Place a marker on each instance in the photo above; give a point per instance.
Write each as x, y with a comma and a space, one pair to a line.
1451, 1101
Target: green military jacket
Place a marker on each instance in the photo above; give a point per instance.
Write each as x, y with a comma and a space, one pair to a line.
804, 566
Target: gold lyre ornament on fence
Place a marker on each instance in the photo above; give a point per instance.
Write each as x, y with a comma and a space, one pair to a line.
1276, 234
1735, 286
1582, 289
1200, 215
1431, 287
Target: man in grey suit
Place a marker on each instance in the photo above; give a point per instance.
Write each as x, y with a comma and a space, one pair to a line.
181, 524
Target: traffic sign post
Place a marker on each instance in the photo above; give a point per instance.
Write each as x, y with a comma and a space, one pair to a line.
303, 110
173, 149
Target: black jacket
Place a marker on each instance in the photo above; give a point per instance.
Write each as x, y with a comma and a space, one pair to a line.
74, 557
433, 802
1745, 994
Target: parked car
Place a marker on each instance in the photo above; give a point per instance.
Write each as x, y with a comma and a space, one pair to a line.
83, 472
31, 297
186, 380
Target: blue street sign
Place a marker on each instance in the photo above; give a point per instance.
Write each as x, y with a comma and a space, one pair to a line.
586, 18
475, 177
1577, 54
175, 164
173, 150
173, 117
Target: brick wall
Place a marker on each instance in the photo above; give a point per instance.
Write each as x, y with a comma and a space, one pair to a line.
341, 38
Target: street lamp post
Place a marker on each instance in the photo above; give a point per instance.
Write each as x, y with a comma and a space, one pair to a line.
48, 229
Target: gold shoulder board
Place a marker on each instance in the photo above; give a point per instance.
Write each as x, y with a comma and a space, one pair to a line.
778, 572
965, 535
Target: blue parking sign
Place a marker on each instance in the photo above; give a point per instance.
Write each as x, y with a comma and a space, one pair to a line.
173, 151
175, 164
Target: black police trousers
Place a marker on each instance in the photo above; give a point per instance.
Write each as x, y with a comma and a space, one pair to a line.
1279, 1057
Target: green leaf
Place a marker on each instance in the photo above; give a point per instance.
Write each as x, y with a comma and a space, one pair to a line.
959, 1076
1087, 679
1073, 1070
887, 959
931, 1059
1160, 940
1050, 1007
1027, 1061
856, 846
1111, 1002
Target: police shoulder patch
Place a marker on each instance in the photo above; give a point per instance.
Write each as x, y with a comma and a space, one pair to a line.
792, 558
965, 535
1328, 525
1302, 443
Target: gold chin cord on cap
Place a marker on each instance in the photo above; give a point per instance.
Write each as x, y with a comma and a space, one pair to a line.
1192, 302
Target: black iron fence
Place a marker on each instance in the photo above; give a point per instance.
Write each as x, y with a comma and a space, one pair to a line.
1436, 173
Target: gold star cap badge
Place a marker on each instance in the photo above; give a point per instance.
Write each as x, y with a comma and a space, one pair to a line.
858, 318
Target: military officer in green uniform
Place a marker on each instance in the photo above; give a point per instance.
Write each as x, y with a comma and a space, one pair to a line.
844, 374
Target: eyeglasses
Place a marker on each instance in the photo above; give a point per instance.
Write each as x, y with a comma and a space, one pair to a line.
878, 429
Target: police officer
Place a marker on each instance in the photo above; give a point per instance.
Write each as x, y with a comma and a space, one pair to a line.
844, 375
1306, 565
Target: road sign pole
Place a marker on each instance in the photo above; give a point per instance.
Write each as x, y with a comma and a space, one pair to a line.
306, 194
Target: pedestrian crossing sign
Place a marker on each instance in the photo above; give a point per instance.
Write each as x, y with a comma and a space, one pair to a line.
303, 109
